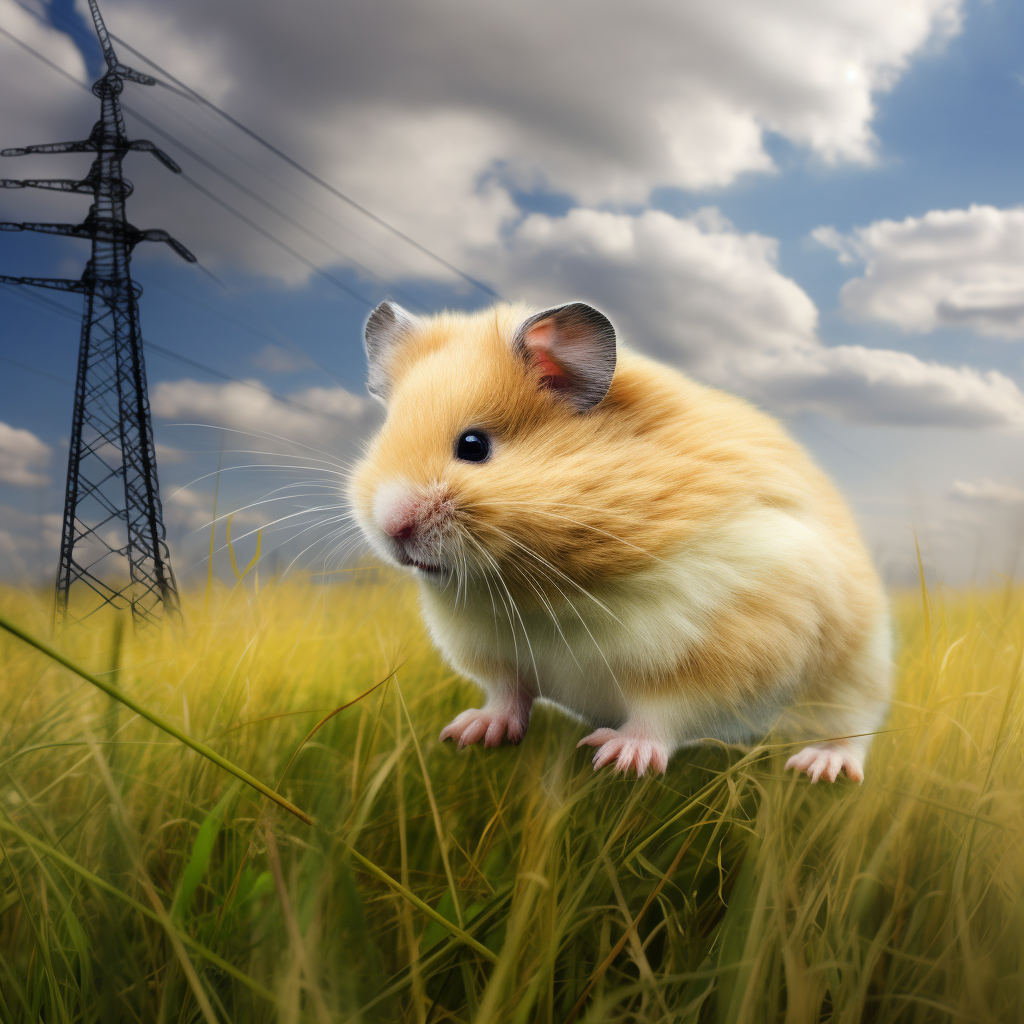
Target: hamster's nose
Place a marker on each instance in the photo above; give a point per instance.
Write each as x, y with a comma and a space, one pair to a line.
400, 521
403, 532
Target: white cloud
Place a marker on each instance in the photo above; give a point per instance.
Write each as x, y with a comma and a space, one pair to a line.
39, 106
987, 492
870, 385
427, 114
190, 509
700, 294
21, 455
423, 112
29, 544
249, 407
949, 268
688, 288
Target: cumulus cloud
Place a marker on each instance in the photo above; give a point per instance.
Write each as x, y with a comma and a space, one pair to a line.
987, 492
430, 112
702, 295
40, 107
191, 509
949, 268
435, 115
29, 544
21, 455
249, 407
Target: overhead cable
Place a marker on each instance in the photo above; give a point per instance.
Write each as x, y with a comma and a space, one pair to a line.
308, 173
171, 354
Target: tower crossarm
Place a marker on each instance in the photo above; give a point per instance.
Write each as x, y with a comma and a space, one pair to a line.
105, 231
145, 146
75, 230
53, 184
159, 235
61, 284
85, 146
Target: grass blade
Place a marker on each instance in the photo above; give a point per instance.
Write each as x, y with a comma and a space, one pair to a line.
158, 720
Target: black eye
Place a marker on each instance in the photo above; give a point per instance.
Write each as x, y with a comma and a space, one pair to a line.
473, 446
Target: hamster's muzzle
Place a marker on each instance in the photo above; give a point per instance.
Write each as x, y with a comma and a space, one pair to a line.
414, 524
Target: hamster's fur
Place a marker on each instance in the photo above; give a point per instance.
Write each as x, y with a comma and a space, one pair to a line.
652, 555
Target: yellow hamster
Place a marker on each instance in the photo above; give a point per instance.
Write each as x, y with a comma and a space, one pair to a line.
592, 528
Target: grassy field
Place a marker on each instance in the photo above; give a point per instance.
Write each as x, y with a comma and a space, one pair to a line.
141, 882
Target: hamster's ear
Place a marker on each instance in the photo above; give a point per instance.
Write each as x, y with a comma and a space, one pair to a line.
386, 328
574, 348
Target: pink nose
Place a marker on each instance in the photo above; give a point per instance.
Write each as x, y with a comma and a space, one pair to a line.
403, 532
400, 521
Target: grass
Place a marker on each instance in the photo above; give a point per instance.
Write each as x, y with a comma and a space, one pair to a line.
139, 881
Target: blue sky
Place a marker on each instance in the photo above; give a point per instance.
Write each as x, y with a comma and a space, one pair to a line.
685, 192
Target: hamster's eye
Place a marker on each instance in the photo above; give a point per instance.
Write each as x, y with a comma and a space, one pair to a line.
473, 446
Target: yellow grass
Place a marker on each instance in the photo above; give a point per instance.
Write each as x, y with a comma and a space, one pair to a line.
141, 882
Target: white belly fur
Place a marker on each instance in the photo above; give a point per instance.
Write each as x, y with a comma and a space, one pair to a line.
645, 623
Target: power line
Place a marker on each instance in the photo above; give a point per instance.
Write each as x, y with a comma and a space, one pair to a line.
337, 282
113, 517
270, 236
171, 354
309, 174
279, 153
237, 380
256, 197
389, 286
33, 369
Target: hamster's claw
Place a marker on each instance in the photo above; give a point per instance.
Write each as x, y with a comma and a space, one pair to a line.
630, 753
491, 726
828, 760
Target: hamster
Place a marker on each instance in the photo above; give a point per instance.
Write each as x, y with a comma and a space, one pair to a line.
594, 529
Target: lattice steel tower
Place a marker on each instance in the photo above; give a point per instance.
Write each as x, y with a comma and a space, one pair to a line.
113, 534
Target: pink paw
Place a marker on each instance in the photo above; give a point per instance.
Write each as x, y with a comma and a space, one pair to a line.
493, 726
629, 752
828, 760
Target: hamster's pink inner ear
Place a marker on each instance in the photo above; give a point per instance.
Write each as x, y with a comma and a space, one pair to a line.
539, 342
573, 347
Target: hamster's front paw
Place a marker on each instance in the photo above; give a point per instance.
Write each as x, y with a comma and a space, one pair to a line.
503, 719
828, 759
631, 751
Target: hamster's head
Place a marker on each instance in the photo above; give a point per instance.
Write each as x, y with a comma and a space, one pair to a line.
489, 461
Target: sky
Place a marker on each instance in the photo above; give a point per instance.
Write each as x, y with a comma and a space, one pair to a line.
812, 203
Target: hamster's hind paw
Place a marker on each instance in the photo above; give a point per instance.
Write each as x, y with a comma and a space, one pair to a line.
493, 726
629, 752
828, 760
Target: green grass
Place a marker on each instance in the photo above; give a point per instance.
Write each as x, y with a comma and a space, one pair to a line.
139, 881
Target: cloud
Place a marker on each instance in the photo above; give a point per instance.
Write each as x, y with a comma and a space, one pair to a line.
29, 544
949, 268
40, 107
432, 113
883, 386
698, 293
20, 452
189, 509
249, 407
987, 492
436, 115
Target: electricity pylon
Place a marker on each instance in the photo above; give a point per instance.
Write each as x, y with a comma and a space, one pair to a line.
113, 538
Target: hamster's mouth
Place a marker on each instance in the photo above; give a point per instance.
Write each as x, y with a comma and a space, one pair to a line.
422, 566
426, 568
